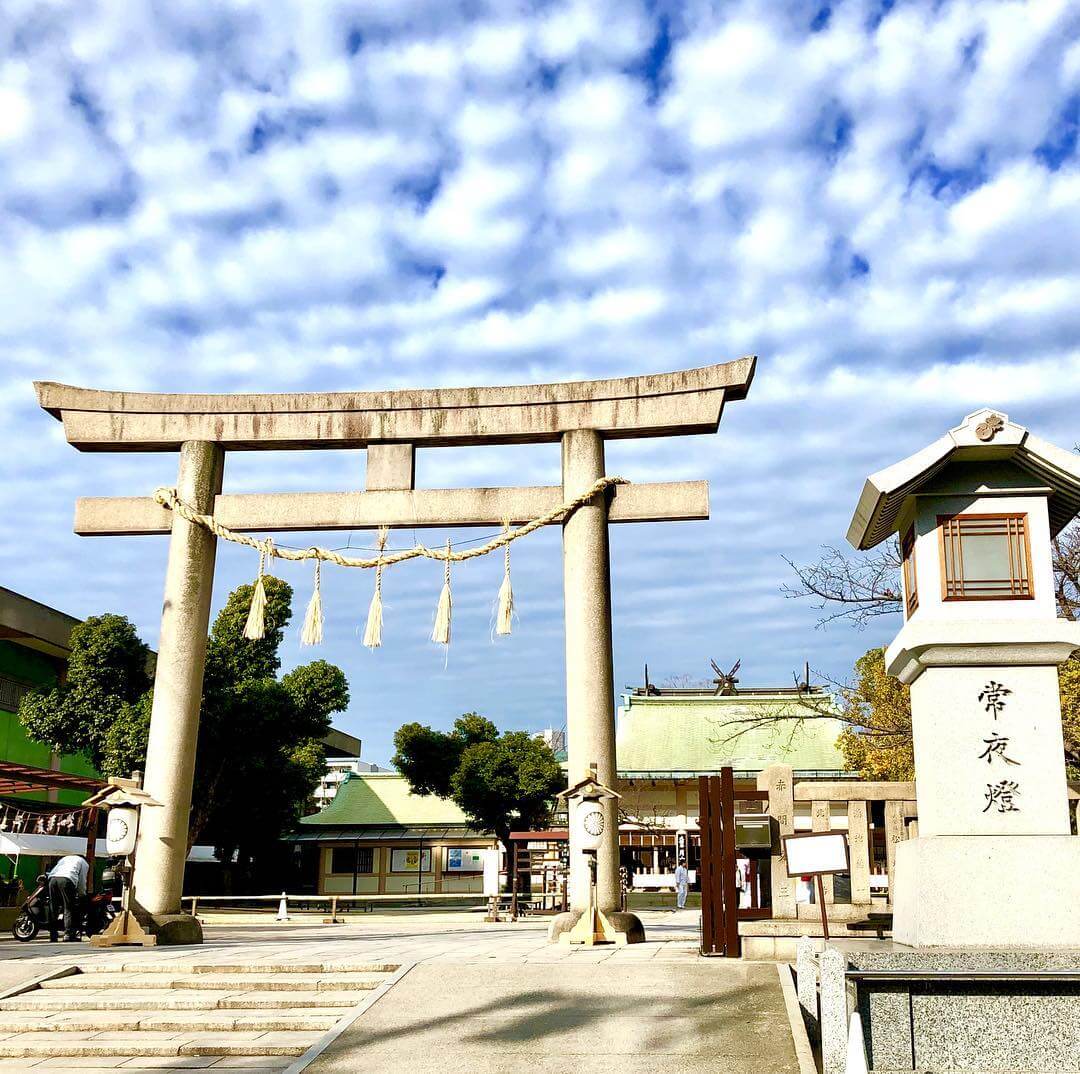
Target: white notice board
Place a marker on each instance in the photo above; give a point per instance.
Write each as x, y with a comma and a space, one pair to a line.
816, 853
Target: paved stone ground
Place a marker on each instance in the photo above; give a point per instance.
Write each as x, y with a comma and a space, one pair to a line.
481, 995
413, 936
627, 1016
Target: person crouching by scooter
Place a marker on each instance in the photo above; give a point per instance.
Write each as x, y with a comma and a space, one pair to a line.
67, 887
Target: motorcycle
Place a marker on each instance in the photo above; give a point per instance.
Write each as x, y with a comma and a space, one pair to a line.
96, 911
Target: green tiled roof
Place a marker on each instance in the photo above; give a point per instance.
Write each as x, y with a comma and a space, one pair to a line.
685, 734
384, 798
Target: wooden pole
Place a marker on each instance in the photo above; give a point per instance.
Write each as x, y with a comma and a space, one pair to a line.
821, 900
731, 892
91, 847
513, 882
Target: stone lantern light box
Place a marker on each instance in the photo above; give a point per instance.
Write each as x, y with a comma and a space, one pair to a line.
975, 513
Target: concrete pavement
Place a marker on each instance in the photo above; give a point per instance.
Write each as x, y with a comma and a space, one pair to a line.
682, 1017
490, 996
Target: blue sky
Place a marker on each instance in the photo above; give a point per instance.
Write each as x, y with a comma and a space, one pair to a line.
879, 199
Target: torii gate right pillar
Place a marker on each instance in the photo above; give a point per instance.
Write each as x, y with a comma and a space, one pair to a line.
590, 721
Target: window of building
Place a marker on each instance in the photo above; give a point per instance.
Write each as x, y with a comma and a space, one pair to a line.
911, 589
352, 859
11, 693
985, 557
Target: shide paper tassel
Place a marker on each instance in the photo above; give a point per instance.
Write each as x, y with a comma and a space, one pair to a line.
373, 630
505, 611
255, 627
313, 621
441, 633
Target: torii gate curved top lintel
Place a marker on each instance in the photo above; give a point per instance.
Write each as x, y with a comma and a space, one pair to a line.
657, 404
390, 425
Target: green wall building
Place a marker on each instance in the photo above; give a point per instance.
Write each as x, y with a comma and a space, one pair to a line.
34, 651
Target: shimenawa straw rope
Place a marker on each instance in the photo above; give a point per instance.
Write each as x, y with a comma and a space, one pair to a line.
312, 631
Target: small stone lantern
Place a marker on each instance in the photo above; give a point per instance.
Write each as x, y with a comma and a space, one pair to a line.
994, 863
587, 821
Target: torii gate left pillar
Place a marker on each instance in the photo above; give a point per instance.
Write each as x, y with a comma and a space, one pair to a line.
174, 718
390, 425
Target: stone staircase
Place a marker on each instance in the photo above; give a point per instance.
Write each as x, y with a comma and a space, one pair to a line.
168, 1015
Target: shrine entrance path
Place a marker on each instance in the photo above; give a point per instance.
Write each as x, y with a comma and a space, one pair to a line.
634, 1015
489, 998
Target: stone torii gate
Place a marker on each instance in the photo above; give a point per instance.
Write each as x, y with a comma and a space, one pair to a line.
391, 425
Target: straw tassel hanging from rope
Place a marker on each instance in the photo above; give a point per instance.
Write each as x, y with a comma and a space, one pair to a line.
505, 611
373, 630
441, 633
255, 627
312, 631
313, 620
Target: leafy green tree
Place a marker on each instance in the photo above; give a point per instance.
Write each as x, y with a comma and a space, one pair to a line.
428, 759
259, 752
877, 710
499, 781
106, 684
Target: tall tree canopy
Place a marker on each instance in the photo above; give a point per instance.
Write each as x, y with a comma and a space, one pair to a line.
499, 781
259, 751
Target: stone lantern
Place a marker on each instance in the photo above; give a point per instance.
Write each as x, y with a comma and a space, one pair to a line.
586, 803
994, 863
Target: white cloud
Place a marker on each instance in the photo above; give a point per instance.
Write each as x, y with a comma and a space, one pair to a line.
331, 195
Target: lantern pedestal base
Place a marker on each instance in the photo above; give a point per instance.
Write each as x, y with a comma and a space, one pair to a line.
988, 891
165, 930
620, 928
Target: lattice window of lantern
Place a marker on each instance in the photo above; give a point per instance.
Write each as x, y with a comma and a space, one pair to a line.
985, 557
911, 589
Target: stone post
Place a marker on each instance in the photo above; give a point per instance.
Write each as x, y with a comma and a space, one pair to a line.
590, 690
859, 850
834, 1011
778, 780
894, 833
821, 820
806, 975
174, 719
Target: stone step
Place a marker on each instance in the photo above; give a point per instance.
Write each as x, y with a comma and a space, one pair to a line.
91, 1022
48, 1045
128, 1015
146, 1064
240, 982
178, 968
155, 1000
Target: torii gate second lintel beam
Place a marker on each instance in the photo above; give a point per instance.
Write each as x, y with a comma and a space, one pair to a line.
390, 425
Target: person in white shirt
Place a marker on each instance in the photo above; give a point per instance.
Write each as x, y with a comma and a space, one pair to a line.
67, 886
682, 885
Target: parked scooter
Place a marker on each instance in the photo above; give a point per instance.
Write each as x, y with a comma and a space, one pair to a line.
95, 914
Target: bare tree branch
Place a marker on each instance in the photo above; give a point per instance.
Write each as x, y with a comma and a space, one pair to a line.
1066, 554
854, 589
638, 806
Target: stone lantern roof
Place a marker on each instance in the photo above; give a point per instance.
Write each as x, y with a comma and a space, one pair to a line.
986, 436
